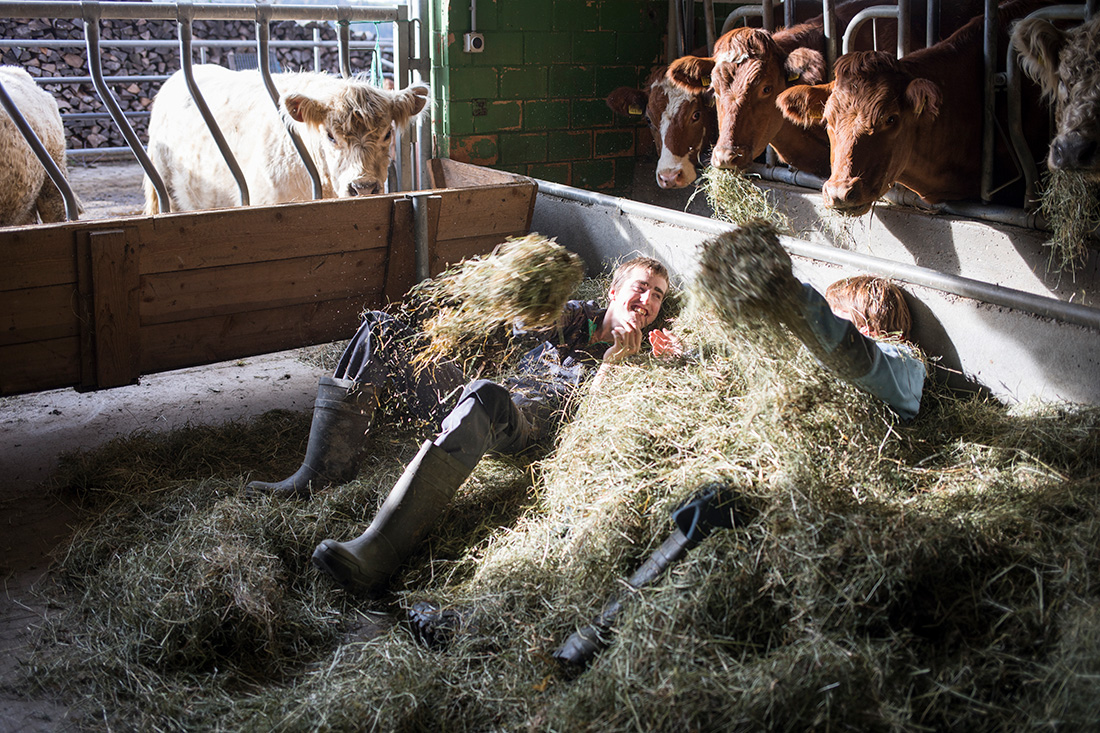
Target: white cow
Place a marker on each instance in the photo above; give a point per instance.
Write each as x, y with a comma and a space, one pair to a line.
345, 124
27, 193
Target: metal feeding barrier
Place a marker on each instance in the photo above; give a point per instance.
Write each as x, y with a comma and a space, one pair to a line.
410, 64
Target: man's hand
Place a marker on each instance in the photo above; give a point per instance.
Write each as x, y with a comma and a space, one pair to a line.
627, 342
665, 343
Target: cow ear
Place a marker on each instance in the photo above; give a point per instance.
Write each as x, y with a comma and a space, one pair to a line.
1039, 44
628, 101
806, 66
803, 104
305, 109
691, 73
924, 96
409, 102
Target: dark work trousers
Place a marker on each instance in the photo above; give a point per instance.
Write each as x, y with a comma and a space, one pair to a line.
379, 355
486, 419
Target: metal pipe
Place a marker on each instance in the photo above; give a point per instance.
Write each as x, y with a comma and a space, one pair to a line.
420, 234
767, 14
932, 23
91, 14
184, 27
672, 34
989, 55
742, 13
789, 12
708, 21
904, 22
857, 21
402, 40
263, 35
343, 31
72, 209
828, 8
962, 286
212, 11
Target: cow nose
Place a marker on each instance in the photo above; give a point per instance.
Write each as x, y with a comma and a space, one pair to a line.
845, 195
363, 188
671, 178
729, 156
1071, 151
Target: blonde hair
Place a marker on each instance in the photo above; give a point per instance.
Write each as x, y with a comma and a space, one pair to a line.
875, 305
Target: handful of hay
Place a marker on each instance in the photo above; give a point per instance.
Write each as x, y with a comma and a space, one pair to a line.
733, 197
745, 275
1071, 204
525, 279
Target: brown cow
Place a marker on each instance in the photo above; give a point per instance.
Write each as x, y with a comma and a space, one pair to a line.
916, 121
1066, 65
683, 124
751, 67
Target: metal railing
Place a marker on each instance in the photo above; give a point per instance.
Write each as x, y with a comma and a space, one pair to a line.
410, 63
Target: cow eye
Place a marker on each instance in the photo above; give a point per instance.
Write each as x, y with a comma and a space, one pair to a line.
332, 138
767, 90
695, 116
891, 119
389, 134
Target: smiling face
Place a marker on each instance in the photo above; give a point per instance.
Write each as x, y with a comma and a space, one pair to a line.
636, 296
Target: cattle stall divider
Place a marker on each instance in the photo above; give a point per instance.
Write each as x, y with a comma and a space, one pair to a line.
411, 64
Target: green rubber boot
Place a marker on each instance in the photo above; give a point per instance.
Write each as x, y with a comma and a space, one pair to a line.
342, 415
408, 514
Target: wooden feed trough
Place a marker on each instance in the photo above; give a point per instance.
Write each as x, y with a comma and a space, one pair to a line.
96, 304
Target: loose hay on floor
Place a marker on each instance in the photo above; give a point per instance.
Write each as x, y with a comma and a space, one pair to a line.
937, 576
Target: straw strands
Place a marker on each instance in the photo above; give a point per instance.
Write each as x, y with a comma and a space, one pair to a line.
939, 575
1070, 203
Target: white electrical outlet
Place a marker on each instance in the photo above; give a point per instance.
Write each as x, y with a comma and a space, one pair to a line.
473, 43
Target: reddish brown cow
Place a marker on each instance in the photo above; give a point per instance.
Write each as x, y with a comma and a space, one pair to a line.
915, 121
751, 67
683, 125
1066, 65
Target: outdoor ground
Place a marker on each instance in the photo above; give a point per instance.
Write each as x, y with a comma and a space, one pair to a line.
36, 428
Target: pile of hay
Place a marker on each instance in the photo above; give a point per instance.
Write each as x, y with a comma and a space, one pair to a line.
941, 575
1071, 205
526, 280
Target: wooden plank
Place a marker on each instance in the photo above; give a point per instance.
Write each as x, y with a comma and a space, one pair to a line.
39, 365
198, 294
485, 211
36, 257
453, 250
401, 255
37, 314
447, 173
114, 265
226, 237
219, 338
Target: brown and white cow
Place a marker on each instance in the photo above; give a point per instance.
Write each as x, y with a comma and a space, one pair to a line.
751, 67
27, 193
1066, 65
683, 125
916, 121
346, 125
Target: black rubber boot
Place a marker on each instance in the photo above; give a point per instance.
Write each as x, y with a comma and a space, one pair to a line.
342, 416
714, 506
408, 514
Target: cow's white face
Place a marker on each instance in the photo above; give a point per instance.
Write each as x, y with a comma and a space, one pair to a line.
681, 123
352, 133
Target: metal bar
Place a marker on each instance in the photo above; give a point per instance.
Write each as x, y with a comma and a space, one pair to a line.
966, 287
673, 32
767, 14
904, 24
932, 23
857, 21
184, 27
831, 41
989, 53
343, 30
72, 209
201, 43
263, 36
742, 13
91, 9
212, 11
420, 235
789, 9
708, 21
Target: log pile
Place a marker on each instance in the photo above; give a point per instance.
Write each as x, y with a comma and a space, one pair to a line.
156, 62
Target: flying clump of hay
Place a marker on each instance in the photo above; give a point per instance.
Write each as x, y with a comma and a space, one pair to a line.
525, 280
733, 197
745, 275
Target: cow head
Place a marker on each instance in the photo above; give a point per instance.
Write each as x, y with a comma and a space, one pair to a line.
872, 111
682, 125
1066, 65
352, 132
747, 74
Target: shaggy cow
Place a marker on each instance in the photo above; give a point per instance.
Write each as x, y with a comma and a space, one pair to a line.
683, 124
751, 67
1066, 65
345, 124
26, 192
916, 121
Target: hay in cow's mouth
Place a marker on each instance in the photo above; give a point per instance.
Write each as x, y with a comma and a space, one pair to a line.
734, 198
935, 576
1070, 202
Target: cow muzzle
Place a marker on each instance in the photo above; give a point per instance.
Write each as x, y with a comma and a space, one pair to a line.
364, 188
675, 177
1074, 152
731, 156
847, 196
